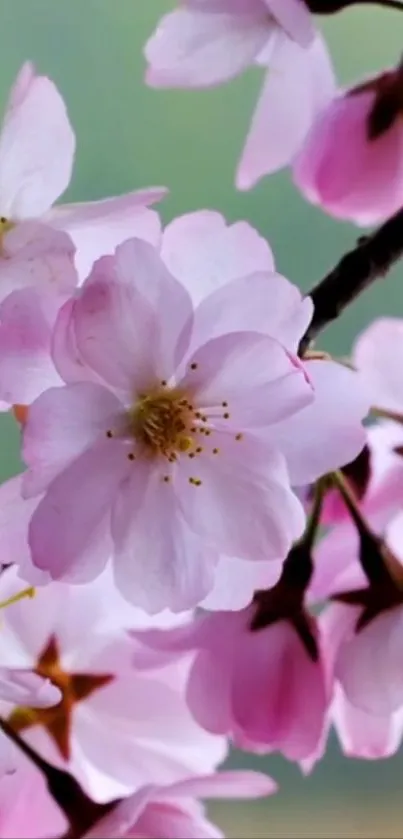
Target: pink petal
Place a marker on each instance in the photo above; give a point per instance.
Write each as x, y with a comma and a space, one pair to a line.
204, 252
196, 47
261, 302
210, 680
25, 803
35, 255
260, 382
113, 324
230, 784
244, 505
15, 515
61, 424
236, 580
118, 314
182, 822
65, 353
295, 18
336, 563
122, 817
160, 563
346, 174
284, 701
69, 531
98, 227
36, 148
369, 665
299, 83
363, 735
141, 266
336, 413
21, 86
23, 687
26, 366
376, 353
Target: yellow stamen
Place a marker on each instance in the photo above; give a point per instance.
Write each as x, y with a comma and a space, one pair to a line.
26, 592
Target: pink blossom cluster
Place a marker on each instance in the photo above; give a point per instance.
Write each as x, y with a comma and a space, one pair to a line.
164, 592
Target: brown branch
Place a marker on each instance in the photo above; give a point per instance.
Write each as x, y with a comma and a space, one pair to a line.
357, 270
330, 6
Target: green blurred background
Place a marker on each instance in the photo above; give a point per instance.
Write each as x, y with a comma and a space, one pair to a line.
130, 136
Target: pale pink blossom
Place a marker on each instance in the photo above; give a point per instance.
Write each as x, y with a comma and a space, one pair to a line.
37, 276
201, 44
174, 812
27, 811
37, 146
159, 447
351, 163
240, 276
263, 687
364, 735
363, 631
116, 727
361, 734
40, 247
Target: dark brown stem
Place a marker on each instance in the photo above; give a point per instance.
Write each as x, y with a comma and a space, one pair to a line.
331, 6
357, 270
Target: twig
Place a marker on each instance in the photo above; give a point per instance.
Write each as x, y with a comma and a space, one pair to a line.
357, 270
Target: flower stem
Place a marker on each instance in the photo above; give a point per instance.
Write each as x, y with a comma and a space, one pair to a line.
357, 270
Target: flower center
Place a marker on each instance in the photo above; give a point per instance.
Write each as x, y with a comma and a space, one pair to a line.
75, 687
162, 422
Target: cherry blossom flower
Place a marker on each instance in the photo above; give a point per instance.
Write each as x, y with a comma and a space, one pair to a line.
257, 675
175, 438
173, 812
36, 167
361, 734
365, 624
39, 247
116, 728
174, 409
204, 44
364, 735
37, 276
351, 163
240, 275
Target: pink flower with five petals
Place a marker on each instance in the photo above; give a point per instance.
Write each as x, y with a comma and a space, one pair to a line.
158, 449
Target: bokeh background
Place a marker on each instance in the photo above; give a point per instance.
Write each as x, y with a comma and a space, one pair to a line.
129, 137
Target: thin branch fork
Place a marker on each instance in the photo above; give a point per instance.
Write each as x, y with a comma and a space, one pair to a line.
357, 270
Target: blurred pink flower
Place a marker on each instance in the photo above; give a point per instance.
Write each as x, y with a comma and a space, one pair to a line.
362, 632
40, 247
36, 167
206, 43
173, 812
263, 686
116, 728
351, 163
